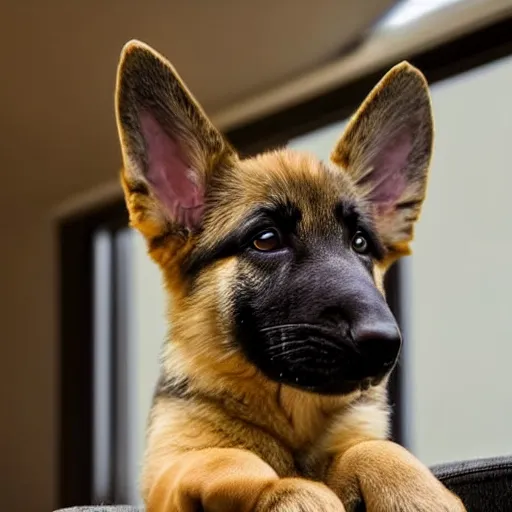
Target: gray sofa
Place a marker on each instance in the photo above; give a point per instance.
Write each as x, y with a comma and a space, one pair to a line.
485, 485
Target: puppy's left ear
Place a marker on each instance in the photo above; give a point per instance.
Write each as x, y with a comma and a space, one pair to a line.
387, 149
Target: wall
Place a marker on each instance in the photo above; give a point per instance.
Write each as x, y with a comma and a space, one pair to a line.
28, 354
459, 279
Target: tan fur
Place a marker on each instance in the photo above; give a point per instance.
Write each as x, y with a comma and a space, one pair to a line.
222, 435
410, 487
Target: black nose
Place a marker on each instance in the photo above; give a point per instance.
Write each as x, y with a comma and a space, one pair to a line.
378, 344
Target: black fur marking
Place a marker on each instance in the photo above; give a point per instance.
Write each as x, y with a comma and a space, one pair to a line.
172, 388
408, 204
297, 321
350, 216
284, 217
160, 241
138, 187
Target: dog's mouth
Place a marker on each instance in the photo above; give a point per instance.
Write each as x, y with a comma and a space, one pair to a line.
318, 359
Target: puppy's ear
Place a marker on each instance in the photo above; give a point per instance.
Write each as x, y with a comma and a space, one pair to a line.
170, 148
386, 148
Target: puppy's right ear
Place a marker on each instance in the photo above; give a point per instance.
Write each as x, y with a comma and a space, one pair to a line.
170, 148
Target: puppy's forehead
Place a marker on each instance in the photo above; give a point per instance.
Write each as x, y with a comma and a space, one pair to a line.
283, 177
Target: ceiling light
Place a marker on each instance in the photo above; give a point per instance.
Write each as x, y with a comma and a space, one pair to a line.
410, 10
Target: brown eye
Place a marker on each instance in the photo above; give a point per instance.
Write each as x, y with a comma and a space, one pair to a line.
267, 241
360, 243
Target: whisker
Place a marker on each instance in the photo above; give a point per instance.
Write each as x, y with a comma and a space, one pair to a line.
286, 343
326, 342
290, 351
322, 345
289, 326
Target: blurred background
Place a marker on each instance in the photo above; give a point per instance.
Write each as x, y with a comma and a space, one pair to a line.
82, 313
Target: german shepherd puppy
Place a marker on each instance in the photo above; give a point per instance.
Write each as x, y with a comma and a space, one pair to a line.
272, 394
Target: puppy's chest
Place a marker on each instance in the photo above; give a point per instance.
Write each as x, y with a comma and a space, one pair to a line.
311, 462
307, 441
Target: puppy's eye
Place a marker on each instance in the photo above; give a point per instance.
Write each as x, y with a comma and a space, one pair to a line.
267, 241
360, 243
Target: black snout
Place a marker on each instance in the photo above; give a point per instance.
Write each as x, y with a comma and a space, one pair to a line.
378, 344
328, 330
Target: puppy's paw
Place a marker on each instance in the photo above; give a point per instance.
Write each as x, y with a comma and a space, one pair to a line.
389, 479
424, 498
298, 495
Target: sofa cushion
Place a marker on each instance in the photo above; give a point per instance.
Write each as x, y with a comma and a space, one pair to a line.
101, 508
484, 485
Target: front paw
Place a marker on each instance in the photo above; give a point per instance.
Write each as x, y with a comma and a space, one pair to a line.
387, 478
424, 497
298, 495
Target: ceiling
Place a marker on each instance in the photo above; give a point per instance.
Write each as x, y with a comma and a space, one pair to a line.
59, 59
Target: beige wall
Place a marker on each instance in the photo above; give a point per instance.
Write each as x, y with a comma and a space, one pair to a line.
460, 278
28, 355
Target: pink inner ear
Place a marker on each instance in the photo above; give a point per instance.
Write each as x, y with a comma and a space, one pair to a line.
173, 181
389, 168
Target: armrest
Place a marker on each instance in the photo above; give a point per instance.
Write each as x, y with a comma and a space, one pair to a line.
484, 485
